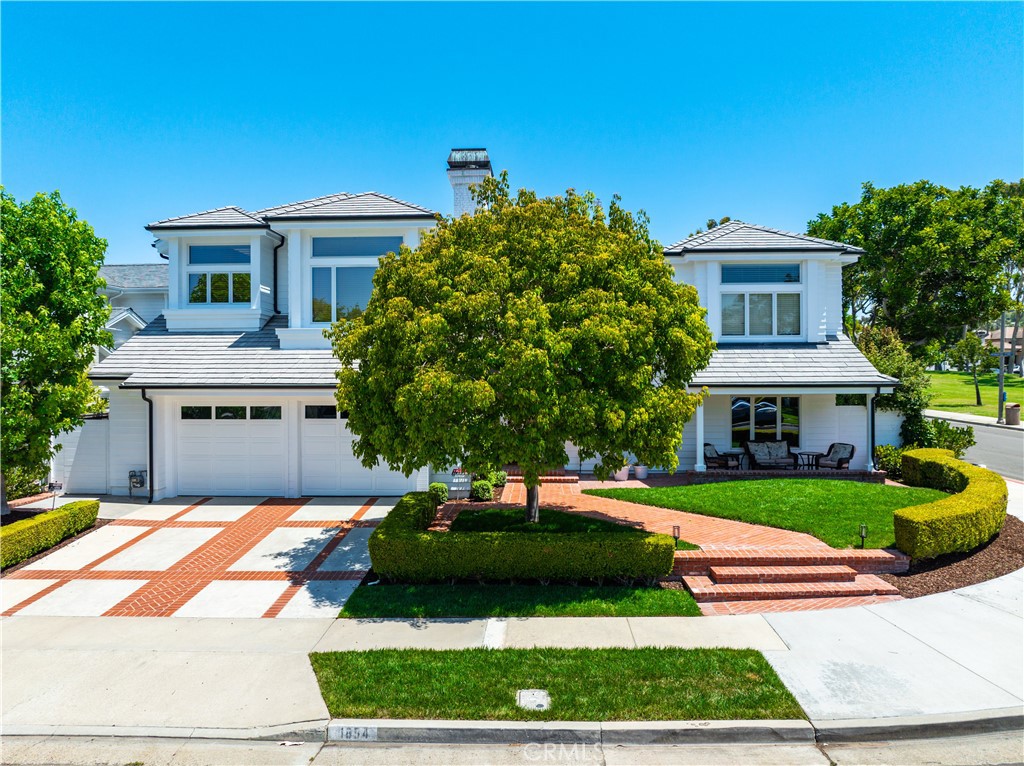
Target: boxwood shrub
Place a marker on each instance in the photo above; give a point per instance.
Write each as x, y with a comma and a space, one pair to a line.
958, 523
25, 538
402, 550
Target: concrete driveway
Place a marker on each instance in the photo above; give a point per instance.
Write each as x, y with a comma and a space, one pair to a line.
206, 557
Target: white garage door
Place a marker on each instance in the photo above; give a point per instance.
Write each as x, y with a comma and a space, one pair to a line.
330, 468
232, 449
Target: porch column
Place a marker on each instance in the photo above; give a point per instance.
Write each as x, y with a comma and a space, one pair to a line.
871, 431
699, 419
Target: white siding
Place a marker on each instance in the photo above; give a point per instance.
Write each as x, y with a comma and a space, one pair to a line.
887, 427
81, 463
129, 442
282, 279
832, 289
148, 305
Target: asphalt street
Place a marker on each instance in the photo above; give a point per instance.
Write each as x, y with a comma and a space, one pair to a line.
1000, 449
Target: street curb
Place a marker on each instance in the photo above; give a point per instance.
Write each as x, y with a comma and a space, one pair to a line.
301, 731
956, 417
570, 732
920, 726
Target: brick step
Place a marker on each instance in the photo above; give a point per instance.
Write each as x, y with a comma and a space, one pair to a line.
566, 479
724, 575
718, 608
704, 590
862, 561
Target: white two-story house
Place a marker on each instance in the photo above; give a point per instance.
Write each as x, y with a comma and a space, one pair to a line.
230, 391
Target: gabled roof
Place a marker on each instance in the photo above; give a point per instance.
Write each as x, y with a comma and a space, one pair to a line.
347, 206
120, 313
231, 217
835, 364
736, 236
137, 276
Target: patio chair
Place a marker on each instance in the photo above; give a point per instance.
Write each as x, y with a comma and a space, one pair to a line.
838, 456
773, 454
712, 458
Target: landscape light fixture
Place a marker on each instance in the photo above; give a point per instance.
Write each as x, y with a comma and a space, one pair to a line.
675, 533
863, 534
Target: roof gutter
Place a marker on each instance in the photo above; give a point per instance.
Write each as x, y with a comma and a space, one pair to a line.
276, 248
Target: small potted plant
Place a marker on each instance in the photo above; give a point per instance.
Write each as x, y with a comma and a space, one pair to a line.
640, 471
622, 474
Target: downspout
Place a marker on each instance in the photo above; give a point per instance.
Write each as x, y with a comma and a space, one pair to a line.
276, 248
871, 445
150, 430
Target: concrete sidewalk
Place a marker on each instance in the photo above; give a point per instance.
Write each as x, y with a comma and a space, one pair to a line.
964, 417
950, 653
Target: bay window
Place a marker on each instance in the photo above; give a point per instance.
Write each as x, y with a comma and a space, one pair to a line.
219, 285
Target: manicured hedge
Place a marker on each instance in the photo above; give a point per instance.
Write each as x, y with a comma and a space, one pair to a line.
402, 549
958, 523
28, 537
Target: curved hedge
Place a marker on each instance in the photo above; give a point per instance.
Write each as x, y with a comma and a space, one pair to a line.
958, 523
402, 549
28, 537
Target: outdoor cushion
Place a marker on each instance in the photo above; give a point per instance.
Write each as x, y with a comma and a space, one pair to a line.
777, 450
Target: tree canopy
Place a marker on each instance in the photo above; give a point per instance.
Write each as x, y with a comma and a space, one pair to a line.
937, 260
507, 333
51, 318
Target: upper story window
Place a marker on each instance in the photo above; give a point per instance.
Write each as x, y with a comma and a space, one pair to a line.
354, 247
760, 273
341, 292
219, 287
206, 255
760, 314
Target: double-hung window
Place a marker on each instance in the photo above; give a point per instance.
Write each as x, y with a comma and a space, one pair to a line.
342, 274
761, 300
219, 274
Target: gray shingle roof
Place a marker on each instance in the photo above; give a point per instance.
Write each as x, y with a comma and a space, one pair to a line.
837, 363
736, 236
365, 205
140, 276
156, 358
231, 217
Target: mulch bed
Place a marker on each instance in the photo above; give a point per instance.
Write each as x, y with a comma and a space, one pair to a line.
99, 523
1002, 555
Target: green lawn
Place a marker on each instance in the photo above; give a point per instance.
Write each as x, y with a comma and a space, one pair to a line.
831, 510
954, 392
513, 520
584, 684
519, 600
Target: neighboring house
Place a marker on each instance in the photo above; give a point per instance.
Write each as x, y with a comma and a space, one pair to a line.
231, 390
137, 293
1011, 344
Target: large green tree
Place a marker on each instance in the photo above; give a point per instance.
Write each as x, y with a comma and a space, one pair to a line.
51, 319
510, 332
936, 259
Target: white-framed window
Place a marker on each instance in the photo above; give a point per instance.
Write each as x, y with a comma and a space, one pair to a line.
219, 287
761, 300
766, 418
757, 314
340, 292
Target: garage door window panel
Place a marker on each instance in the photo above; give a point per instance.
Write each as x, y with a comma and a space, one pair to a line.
265, 412
192, 412
230, 412
321, 412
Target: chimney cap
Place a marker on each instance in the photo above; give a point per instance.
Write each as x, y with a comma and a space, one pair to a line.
460, 159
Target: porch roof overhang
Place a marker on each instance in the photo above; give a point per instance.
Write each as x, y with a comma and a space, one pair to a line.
835, 366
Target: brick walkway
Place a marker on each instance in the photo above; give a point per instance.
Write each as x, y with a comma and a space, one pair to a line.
767, 569
254, 562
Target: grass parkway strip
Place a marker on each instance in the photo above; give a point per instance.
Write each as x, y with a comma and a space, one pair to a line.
584, 684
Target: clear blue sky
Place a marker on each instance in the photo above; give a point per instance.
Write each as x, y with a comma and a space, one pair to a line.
768, 113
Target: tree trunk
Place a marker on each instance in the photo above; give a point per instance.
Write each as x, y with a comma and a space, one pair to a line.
4, 507
977, 390
532, 504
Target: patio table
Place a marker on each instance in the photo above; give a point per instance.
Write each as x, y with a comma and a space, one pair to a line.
739, 454
809, 460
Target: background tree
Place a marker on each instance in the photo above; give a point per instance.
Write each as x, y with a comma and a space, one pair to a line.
886, 351
973, 356
51, 318
935, 258
505, 334
711, 224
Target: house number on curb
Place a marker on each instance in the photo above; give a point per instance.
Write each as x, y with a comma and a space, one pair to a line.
357, 734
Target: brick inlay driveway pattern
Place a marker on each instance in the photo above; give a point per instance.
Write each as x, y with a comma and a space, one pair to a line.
276, 558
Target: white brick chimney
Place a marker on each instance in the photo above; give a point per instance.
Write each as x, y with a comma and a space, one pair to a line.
465, 167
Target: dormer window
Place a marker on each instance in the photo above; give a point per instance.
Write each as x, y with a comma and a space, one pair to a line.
761, 311
212, 285
342, 277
